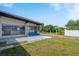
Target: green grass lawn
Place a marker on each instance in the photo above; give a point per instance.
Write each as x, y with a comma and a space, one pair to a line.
55, 46
16, 51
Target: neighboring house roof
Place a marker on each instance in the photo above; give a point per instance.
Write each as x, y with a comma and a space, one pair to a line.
2, 13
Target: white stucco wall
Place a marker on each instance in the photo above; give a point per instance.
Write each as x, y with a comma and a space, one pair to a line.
74, 33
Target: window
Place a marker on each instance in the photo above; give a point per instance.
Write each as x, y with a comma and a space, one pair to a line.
12, 30
6, 30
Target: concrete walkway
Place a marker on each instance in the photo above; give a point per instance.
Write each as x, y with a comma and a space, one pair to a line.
32, 38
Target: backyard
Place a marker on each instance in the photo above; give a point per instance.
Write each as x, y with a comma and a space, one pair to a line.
58, 45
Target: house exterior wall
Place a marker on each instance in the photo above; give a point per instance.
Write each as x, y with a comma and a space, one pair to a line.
6, 20
11, 21
74, 33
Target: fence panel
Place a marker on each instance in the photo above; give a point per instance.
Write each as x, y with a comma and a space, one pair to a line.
71, 33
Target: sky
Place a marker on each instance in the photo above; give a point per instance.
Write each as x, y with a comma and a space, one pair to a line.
48, 13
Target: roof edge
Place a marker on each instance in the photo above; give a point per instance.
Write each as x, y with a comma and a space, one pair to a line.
19, 17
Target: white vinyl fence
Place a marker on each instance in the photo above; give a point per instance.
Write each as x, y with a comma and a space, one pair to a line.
74, 33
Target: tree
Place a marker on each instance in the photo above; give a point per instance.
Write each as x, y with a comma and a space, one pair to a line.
48, 28
70, 25
53, 29
41, 27
61, 30
77, 25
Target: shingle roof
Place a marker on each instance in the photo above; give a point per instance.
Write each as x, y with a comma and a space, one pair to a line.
2, 13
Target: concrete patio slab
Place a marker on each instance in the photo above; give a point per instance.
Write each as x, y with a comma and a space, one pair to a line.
32, 38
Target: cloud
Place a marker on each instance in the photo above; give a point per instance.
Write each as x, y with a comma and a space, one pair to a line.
6, 4
56, 6
70, 10
73, 13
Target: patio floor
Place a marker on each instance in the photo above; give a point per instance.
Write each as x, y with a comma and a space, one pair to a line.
32, 38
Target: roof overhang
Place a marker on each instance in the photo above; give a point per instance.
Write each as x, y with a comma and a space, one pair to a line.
6, 14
